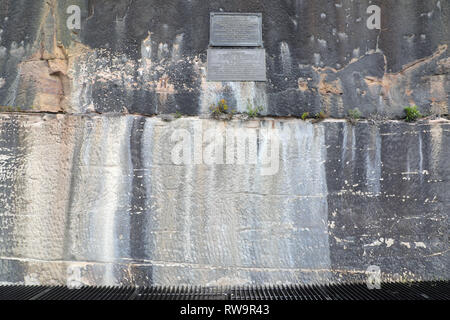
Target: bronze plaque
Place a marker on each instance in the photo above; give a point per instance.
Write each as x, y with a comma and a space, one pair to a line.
236, 65
236, 29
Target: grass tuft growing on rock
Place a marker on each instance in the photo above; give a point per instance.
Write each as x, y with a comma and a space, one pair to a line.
305, 116
253, 111
412, 114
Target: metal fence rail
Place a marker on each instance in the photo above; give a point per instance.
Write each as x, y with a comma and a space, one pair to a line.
435, 290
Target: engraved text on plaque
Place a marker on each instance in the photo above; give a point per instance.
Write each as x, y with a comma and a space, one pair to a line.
236, 29
236, 65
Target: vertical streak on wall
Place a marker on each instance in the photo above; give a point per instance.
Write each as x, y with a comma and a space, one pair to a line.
146, 218
420, 156
373, 161
100, 206
222, 223
40, 212
138, 194
244, 93
11, 158
436, 141
45, 165
218, 224
310, 168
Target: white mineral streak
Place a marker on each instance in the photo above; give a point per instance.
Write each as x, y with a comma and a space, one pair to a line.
348, 146
82, 76
74, 207
247, 94
228, 221
373, 161
176, 49
101, 188
243, 94
353, 145
421, 171
436, 144
40, 215
286, 59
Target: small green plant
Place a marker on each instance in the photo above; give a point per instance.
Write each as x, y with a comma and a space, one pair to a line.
253, 111
412, 113
354, 114
305, 115
222, 108
178, 115
321, 115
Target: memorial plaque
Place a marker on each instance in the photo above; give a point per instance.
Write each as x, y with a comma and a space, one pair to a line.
236, 30
236, 65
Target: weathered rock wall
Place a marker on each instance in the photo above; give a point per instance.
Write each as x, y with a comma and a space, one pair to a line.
102, 195
89, 190
149, 57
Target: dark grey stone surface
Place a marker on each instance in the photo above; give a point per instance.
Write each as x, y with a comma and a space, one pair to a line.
88, 185
384, 182
149, 56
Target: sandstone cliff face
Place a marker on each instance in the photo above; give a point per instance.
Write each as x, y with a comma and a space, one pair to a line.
102, 194
89, 190
149, 57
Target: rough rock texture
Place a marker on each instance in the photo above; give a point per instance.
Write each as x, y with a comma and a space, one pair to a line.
149, 57
102, 195
90, 192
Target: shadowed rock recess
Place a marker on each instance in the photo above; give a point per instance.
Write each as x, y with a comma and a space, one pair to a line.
89, 189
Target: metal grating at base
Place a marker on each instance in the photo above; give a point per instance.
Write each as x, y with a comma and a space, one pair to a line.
436, 290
